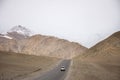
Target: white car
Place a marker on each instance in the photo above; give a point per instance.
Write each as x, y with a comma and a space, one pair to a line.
62, 68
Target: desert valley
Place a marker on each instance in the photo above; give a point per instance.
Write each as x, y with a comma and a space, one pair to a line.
24, 56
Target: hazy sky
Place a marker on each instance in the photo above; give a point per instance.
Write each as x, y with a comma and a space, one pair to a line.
83, 21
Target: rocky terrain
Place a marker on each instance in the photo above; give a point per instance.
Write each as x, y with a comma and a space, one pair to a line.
19, 40
106, 49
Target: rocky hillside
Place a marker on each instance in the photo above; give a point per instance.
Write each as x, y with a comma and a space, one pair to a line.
107, 48
8, 44
39, 44
101, 62
52, 46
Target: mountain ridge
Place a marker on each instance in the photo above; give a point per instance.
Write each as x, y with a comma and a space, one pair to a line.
107, 50
41, 45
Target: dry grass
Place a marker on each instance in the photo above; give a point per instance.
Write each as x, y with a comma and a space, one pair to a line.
17, 66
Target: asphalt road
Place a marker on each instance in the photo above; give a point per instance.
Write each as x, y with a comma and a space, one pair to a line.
56, 73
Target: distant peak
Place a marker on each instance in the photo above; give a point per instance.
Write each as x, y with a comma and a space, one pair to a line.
21, 30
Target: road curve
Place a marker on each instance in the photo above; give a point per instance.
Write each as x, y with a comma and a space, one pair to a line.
56, 74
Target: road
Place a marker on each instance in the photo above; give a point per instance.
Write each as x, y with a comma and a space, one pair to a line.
56, 74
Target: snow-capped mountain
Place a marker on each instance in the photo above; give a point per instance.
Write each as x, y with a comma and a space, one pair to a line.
20, 30
13, 39
17, 33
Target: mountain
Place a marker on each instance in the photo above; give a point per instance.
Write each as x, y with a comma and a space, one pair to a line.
52, 46
12, 40
107, 48
20, 30
16, 35
18, 40
17, 32
101, 62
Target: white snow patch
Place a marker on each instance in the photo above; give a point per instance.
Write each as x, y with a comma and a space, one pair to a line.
21, 30
8, 37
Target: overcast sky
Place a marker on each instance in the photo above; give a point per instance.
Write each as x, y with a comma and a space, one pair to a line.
84, 21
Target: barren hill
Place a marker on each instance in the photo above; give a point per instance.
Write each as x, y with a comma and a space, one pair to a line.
20, 42
101, 62
52, 46
107, 48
